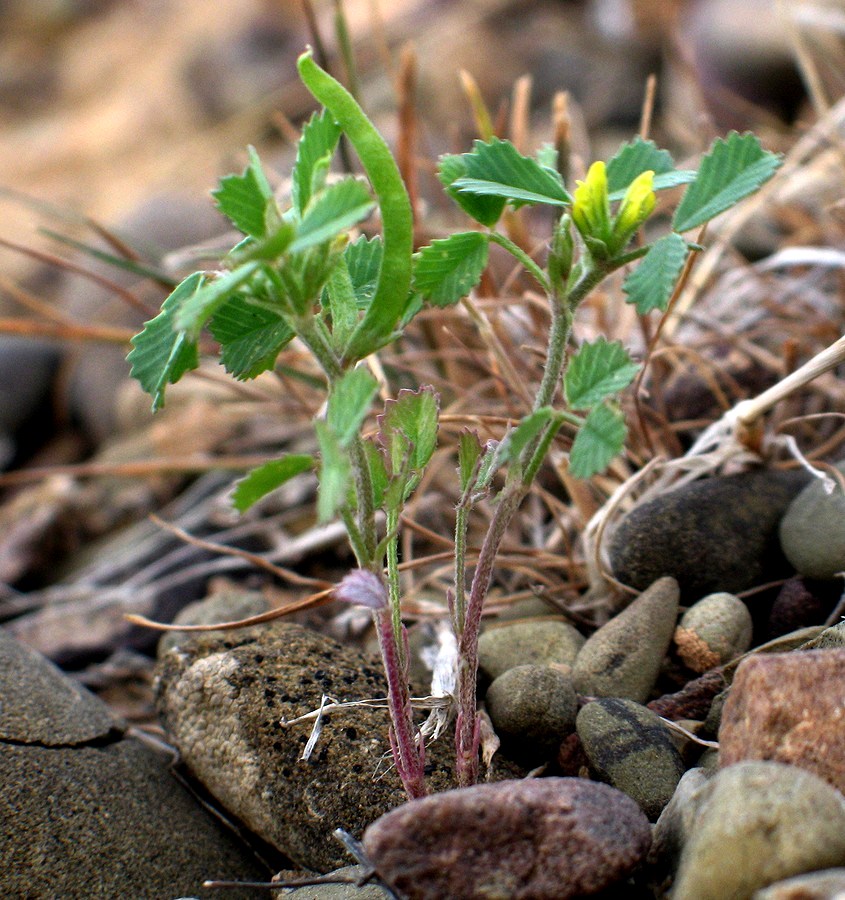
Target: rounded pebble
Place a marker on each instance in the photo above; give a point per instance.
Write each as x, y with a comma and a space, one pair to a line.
630, 748
713, 631
812, 531
829, 884
623, 658
758, 823
541, 643
543, 838
533, 709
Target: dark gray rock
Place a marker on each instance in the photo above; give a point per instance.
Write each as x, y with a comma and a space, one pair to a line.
520, 643
623, 658
630, 748
223, 700
544, 838
812, 532
533, 709
715, 534
758, 823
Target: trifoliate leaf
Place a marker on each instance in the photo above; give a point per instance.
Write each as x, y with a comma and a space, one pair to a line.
333, 210
335, 472
316, 146
450, 268
598, 370
485, 210
244, 199
650, 285
197, 309
599, 440
732, 169
497, 169
261, 481
161, 353
349, 403
250, 337
363, 260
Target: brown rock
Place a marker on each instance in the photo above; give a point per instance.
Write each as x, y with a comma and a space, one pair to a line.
788, 707
544, 839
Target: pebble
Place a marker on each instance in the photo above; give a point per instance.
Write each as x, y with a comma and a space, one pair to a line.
533, 709
713, 631
222, 701
541, 643
788, 707
344, 889
801, 602
830, 638
545, 839
623, 658
812, 532
630, 748
758, 823
672, 829
829, 884
87, 811
714, 534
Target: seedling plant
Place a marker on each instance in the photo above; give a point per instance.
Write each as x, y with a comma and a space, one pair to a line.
298, 273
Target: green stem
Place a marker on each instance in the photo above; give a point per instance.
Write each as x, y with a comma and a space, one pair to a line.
393, 587
534, 268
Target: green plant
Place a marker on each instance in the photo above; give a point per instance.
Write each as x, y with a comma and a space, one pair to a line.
297, 273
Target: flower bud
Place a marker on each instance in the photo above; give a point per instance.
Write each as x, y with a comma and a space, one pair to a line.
362, 588
560, 254
636, 206
591, 206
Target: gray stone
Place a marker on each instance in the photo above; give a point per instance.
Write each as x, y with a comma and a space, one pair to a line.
713, 631
533, 709
674, 825
630, 748
541, 643
758, 823
715, 534
829, 884
223, 702
812, 532
544, 838
40, 705
623, 658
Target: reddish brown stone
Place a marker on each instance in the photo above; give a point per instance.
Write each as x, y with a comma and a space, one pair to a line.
543, 839
788, 707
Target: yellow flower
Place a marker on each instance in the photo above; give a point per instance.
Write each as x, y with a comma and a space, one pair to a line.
636, 206
590, 204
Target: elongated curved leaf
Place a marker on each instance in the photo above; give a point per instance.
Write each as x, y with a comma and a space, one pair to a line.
261, 481
650, 285
250, 337
450, 268
598, 370
599, 440
161, 353
732, 169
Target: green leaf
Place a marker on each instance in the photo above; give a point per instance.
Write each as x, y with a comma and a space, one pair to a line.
528, 429
161, 354
335, 472
450, 268
485, 210
634, 158
732, 169
597, 371
599, 440
244, 199
264, 479
378, 473
497, 169
408, 429
650, 285
349, 403
333, 210
250, 337
204, 302
363, 259
469, 453
316, 146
